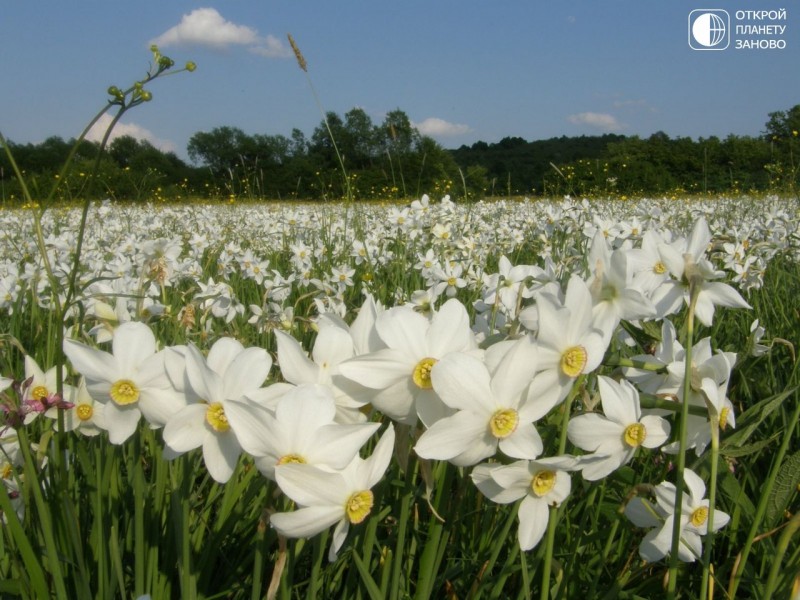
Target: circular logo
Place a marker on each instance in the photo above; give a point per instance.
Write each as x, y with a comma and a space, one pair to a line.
708, 29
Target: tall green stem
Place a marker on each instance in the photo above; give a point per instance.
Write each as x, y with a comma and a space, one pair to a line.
712, 498
553, 514
301, 62
682, 441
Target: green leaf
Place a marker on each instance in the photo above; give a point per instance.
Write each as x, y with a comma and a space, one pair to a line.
369, 583
750, 419
735, 452
33, 567
10, 586
785, 486
732, 489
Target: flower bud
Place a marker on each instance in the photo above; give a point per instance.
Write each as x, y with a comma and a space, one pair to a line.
190, 66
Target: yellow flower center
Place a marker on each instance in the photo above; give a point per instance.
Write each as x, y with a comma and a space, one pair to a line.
504, 422
635, 434
699, 516
422, 373
215, 416
124, 392
573, 361
723, 417
451, 281
39, 393
543, 482
291, 459
660, 268
358, 506
84, 411
6, 471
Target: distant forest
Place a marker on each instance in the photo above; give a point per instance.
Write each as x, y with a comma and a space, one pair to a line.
392, 160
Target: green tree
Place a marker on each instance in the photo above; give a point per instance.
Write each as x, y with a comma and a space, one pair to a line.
220, 149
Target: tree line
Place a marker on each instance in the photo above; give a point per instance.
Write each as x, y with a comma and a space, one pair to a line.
391, 159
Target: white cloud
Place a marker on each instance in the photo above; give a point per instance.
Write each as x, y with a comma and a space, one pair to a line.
271, 47
602, 121
436, 127
136, 131
206, 27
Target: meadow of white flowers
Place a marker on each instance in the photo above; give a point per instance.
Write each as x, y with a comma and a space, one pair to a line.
321, 342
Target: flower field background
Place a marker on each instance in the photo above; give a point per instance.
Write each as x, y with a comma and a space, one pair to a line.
508, 399
311, 312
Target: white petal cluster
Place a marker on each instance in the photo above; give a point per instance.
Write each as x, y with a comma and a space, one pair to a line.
660, 518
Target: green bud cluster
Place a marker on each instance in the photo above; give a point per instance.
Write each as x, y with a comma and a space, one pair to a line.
116, 93
137, 94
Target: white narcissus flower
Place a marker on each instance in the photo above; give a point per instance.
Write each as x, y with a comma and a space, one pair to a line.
230, 372
510, 284
85, 415
301, 430
661, 517
569, 345
687, 259
656, 379
615, 436
130, 382
331, 497
491, 409
614, 296
400, 374
540, 483
334, 344
709, 377
651, 275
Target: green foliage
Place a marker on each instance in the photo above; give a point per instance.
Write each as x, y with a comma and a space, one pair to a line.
392, 160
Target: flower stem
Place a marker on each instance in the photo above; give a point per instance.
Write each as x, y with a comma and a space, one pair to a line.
682, 442
548, 553
712, 497
551, 523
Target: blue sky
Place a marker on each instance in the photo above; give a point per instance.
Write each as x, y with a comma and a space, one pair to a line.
462, 70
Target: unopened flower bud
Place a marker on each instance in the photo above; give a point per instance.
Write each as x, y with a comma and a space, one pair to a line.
116, 92
190, 66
